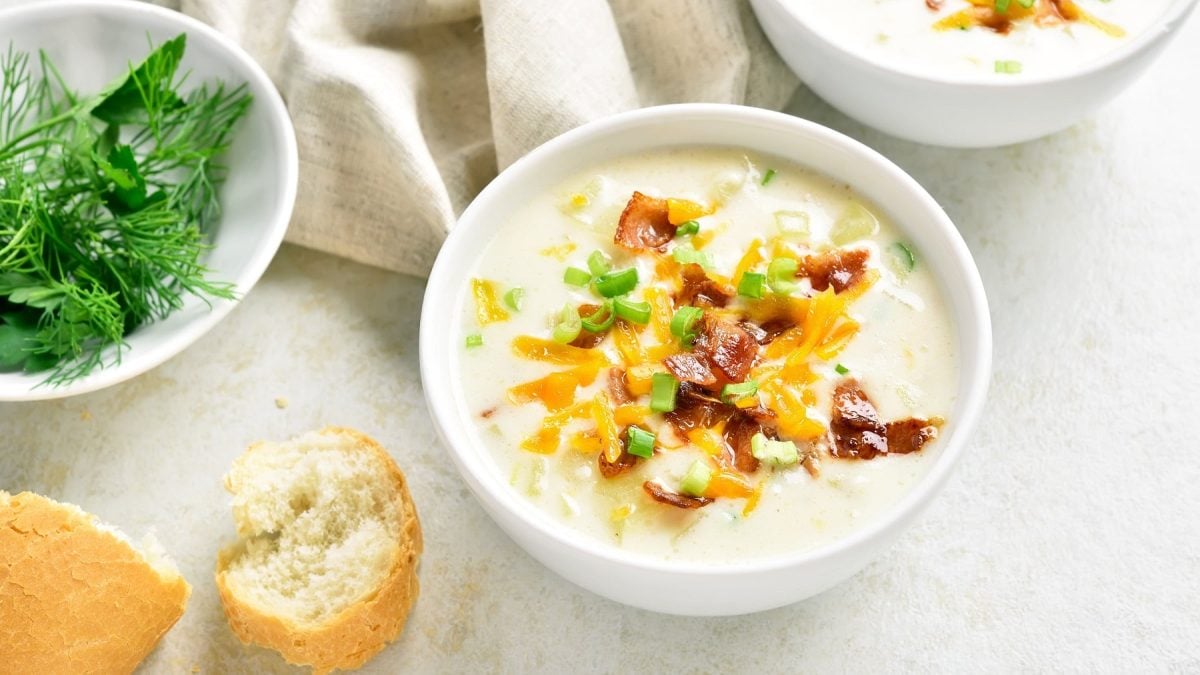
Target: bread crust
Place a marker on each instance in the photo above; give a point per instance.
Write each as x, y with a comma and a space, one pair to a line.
75, 598
348, 639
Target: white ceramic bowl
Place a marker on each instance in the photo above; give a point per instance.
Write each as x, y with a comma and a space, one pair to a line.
957, 111
91, 42
640, 580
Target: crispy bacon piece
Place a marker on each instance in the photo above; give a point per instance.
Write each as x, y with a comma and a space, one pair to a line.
689, 367
699, 290
618, 392
644, 224
624, 463
587, 339
839, 268
910, 435
695, 409
664, 496
738, 432
934, 5
859, 432
727, 346
766, 332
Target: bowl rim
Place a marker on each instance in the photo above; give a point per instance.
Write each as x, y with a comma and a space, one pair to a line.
448, 271
1162, 28
277, 118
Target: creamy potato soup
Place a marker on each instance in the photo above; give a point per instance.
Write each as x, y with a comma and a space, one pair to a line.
703, 355
985, 37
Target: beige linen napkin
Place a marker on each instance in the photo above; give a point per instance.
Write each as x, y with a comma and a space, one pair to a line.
405, 109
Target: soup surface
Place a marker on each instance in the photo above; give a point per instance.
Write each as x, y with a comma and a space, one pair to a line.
758, 362
991, 38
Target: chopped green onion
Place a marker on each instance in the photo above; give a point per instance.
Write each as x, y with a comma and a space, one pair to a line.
1029, 3
841, 370
781, 453
792, 224
684, 229
902, 257
1008, 67
612, 284
751, 285
737, 391
696, 480
637, 312
601, 320
663, 387
684, 320
598, 263
768, 176
781, 275
474, 340
568, 326
641, 442
685, 254
514, 298
856, 222
1002, 6
576, 277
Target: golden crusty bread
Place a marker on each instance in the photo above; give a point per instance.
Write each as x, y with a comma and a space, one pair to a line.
75, 595
325, 569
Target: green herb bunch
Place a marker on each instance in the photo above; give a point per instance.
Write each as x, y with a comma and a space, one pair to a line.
104, 203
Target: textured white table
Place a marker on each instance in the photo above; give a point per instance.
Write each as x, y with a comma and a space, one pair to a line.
1067, 540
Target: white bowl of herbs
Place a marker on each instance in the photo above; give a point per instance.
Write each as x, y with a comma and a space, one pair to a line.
148, 170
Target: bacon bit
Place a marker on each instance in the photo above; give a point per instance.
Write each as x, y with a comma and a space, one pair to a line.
689, 367
910, 435
486, 414
645, 223
812, 464
664, 496
840, 268
738, 432
859, 433
694, 409
624, 462
487, 302
587, 339
934, 5
727, 346
766, 332
617, 391
699, 290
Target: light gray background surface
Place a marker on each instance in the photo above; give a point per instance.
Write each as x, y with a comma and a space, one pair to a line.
1069, 539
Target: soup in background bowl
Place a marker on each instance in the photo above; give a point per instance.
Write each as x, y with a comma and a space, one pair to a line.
704, 359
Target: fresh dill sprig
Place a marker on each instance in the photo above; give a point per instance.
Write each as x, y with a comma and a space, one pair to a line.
105, 202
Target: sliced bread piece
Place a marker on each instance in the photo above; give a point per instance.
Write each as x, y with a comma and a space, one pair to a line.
76, 596
325, 568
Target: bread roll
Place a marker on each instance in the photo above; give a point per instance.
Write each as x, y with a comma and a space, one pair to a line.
75, 595
325, 569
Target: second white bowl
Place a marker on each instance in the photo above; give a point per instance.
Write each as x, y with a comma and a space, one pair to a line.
955, 111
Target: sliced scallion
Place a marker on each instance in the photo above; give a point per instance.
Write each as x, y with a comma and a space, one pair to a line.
696, 480
781, 453
600, 320
637, 312
474, 340
902, 258
781, 275
686, 254
663, 388
1002, 6
684, 321
841, 370
514, 298
690, 227
612, 284
768, 176
576, 276
568, 325
751, 285
641, 442
598, 263
738, 390
1008, 67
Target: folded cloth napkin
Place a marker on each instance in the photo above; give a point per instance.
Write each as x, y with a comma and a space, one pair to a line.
405, 109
